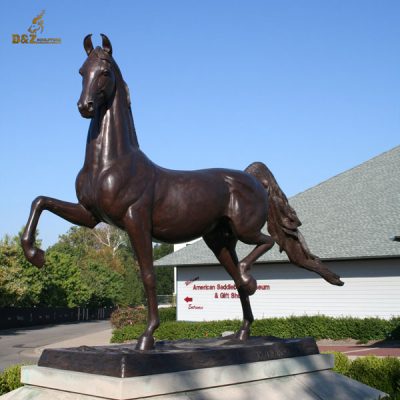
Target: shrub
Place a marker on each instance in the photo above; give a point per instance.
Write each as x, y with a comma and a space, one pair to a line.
10, 379
128, 316
380, 373
132, 316
342, 362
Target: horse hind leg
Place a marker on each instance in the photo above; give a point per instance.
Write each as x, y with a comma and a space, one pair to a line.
222, 243
263, 244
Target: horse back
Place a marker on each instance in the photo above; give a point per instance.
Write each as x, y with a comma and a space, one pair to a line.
188, 204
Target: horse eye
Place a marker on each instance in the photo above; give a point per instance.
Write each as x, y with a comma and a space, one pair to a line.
106, 72
80, 72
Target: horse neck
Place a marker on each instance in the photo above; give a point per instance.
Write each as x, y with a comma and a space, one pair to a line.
112, 132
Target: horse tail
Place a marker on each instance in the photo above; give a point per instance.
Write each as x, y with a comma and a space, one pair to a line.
283, 225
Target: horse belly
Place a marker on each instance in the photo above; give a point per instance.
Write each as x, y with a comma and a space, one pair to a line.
188, 211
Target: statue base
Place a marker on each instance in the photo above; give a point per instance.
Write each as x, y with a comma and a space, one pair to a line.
124, 361
291, 377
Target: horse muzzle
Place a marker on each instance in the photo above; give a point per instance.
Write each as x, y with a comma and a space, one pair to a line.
86, 109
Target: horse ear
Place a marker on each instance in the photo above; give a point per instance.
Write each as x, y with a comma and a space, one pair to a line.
87, 44
106, 44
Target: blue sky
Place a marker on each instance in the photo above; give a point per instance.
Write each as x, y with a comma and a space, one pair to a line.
311, 88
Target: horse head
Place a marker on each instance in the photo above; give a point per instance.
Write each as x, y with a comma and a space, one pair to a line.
99, 75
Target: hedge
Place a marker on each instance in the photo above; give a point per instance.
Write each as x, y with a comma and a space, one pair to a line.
319, 327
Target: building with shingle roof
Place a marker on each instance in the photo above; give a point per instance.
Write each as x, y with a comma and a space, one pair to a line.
349, 221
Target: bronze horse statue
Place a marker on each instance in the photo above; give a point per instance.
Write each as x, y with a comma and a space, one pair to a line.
119, 185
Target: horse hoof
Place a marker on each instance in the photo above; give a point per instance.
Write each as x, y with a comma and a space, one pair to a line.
250, 286
337, 282
145, 343
334, 280
242, 335
36, 257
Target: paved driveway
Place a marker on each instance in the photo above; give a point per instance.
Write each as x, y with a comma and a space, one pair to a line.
21, 345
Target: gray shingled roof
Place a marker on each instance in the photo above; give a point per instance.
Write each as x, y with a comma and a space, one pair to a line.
351, 215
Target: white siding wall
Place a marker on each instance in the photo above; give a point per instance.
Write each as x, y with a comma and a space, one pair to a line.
371, 289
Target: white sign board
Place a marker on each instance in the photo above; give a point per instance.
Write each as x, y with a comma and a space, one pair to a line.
209, 293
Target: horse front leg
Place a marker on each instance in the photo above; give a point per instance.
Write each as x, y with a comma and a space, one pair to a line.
137, 225
74, 213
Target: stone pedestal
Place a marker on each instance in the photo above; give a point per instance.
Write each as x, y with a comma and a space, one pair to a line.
264, 368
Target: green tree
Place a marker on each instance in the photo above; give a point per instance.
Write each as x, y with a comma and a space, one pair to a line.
20, 282
77, 242
105, 285
162, 249
64, 282
108, 272
133, 288
164, 275
85, 267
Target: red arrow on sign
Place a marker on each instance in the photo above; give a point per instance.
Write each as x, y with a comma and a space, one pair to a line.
188, 299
